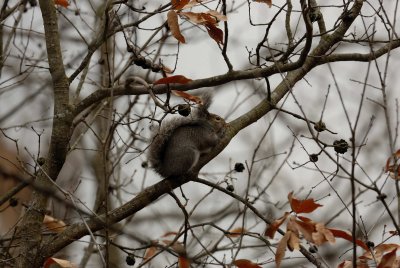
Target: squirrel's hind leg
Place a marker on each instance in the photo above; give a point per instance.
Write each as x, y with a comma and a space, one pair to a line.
180, 163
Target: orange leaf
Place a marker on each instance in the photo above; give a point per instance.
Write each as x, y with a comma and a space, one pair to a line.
169, 233
54, 262
53, 224
150, 252
306, 228
322, 234
280, 250
183, 262
273, 227
178, 79
215, 33
63, 3
243, 263
293, 242
268, 2
179, 4
348, 237
172, 20
391, 164
187, 96
349, 264
302, 206
236, 232
388, 259
379, 251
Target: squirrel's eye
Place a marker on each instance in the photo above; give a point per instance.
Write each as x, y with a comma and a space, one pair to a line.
217, 118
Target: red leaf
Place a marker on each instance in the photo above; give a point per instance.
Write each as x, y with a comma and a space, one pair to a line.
273, 227
183, 262
63, 3
52, 262
187, 96
236, 232
302, 206
214, 32
348, 237
150, 252
243, 263
178, 79
172, 20
179, 4
391, 164
388, 259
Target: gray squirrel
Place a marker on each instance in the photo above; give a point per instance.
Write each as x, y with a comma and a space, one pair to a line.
179, 143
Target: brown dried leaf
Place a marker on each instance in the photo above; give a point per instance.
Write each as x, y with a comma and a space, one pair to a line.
53, 224
172, 20
388, 260
236, 232
268, 2
293, 242
179, 4
391, 164
177, 79
348, 237
280, 250
322, 235
302, 206
183, 262
150, 252
215, 33
273, 227
169, 233
306, 228
243, 263
187, 96
55, 262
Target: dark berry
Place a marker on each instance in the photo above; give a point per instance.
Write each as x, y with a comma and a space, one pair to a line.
130, 260
13, 202
340, 146
41, 161
370, 244
230, 188
313, 249
145, 164
184, 109
313, 158
381, 197
320, 126
239, 167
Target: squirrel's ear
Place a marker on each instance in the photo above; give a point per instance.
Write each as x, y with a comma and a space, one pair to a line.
206, 99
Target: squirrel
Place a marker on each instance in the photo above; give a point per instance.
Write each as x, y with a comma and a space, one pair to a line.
179, 143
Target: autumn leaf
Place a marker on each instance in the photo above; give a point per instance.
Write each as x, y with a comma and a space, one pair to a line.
51, 262
215, 33
53, 224
179, 4
172, 20
169, 233
187, 96
273, 227
183, 262
193, 3
280, 250
322, 234
391, 164
175, 246
218, 16
348, 237
243, 263
304, 227
302, 206
63, 3
293, 242
236, 232
388, 260
268, 2
177, 79
379, 251
150, 252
